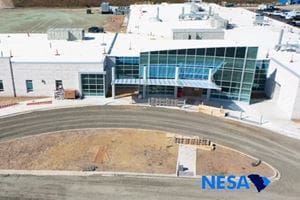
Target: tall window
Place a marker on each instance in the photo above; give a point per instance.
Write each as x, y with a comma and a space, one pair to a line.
29, 86
1, 86
58, 84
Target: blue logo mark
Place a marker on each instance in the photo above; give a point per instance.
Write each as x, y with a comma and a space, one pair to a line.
234, 182
260, 182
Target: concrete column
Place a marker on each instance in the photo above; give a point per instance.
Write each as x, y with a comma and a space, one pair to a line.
144, 79
176, 79
113, 73
208, 95
210, 75
209, 79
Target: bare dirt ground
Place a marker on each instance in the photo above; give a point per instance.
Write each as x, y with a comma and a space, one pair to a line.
114, 24
39, 20
12, 100
224, 161
127, 150
296, 120
6, 4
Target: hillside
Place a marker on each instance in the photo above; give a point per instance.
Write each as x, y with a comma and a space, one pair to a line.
82, 3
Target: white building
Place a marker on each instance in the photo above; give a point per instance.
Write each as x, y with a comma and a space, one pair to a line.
169, 49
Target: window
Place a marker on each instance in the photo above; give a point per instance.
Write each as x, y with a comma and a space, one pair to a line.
58, 84
92, 84
230, 52
220, 52
29, 86
240, 52
210, 52
1, 86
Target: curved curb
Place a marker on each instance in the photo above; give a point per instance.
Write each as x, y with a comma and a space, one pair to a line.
276, 174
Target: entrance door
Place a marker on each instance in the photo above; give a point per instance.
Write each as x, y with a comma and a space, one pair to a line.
192, 92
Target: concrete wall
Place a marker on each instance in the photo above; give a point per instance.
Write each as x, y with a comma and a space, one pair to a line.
283, 86
43, 76
6, 77
296, 111
198, 34
109, 63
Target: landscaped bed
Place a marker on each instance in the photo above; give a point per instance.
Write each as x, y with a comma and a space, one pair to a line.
119, 150
126, 150
225, 161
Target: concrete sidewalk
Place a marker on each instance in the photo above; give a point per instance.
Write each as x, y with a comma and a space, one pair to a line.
187, 156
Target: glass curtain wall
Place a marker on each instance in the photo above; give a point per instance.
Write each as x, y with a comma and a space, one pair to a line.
127, 67
234, 66
260, 78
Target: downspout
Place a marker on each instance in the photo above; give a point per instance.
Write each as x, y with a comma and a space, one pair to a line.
12, 77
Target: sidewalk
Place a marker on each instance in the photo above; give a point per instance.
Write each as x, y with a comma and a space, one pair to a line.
187, 156
22, 107
264, 114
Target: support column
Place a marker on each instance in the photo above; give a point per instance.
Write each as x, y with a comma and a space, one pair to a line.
144, 79
208, 95
113, 73
209, 79
176, 79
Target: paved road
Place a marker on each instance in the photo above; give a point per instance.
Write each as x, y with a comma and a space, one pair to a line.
280, 151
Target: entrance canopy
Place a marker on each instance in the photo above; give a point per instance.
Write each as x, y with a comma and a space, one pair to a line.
204, 84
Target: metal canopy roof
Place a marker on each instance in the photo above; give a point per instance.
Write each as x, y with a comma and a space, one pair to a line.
205, 84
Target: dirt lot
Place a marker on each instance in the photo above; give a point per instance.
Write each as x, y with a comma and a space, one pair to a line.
39, 20
11, 100
224, 161
109, 149
114, 24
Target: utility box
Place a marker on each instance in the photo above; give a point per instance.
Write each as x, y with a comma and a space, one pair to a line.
105, 8
70, 94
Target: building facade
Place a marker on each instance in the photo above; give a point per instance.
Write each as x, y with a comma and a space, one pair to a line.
231, 69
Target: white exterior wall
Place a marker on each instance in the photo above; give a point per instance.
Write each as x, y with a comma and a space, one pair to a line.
69, 73
5, 76
296, 112
288, 97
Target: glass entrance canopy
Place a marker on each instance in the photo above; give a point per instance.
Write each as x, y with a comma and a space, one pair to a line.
204, 84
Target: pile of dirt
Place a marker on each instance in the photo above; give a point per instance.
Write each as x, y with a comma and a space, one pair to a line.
6, 4
127, 150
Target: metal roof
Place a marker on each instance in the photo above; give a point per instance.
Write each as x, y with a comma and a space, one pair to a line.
205, 84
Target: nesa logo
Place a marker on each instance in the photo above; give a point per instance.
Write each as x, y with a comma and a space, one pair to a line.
234, 182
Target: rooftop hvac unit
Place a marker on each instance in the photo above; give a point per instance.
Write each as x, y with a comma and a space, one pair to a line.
105, 8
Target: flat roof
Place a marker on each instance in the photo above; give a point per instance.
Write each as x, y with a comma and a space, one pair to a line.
289, 60
244, 31
142, 19
37, 48
133, 44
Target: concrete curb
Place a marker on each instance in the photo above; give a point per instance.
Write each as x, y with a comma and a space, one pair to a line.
276, 174
88, 173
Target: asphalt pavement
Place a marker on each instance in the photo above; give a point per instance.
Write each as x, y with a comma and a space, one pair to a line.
280, 151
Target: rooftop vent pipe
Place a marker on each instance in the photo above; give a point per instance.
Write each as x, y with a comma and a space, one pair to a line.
209, 11
157, 14
280, 36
